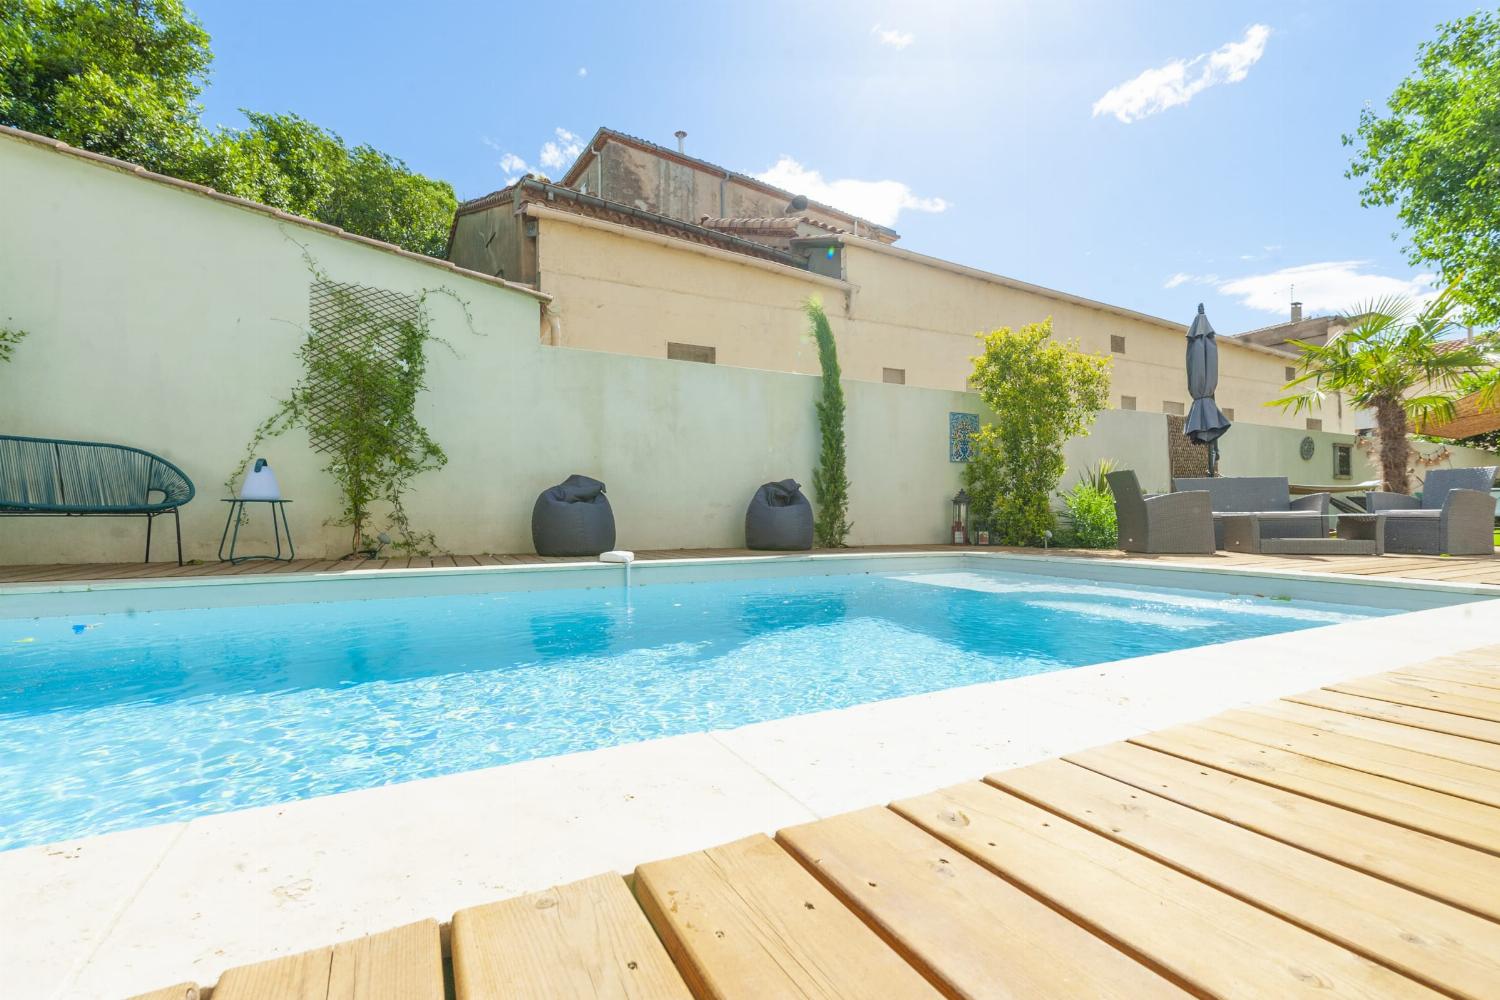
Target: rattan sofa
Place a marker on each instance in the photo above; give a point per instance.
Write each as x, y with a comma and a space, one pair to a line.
1282, 515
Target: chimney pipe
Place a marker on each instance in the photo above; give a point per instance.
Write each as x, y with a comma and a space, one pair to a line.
681, 135
1296, 312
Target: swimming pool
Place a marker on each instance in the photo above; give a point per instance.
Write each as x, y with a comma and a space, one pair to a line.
112, 721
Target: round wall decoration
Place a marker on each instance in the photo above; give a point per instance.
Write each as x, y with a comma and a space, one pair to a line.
1306, 450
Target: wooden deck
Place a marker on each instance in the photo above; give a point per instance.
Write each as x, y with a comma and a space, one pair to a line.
1342, 842
1453, 569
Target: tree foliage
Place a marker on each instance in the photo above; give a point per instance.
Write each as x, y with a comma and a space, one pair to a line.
831, 478
117, 78
123, 78
1434, 153
1395, 361
290, 163
1042, 393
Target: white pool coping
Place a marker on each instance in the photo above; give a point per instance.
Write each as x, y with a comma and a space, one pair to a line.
135, 910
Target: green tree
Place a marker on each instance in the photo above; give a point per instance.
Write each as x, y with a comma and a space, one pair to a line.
1395, 361
122, 78
290, 163
831, 477
112, 77
1433, 152
1042, 393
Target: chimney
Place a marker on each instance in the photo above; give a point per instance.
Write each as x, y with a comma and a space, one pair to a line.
1296, 312
681, 135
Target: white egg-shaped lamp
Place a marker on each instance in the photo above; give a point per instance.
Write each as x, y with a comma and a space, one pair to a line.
260, 482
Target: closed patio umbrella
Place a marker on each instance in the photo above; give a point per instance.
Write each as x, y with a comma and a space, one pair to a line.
1206, 423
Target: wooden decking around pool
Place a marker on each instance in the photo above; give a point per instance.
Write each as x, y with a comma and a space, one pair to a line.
1342, 842
1453, 569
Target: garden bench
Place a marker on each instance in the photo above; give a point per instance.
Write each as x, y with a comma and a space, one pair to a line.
43, 477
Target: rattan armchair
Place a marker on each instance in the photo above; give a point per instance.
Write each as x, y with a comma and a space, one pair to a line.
1170, 522
1455, 514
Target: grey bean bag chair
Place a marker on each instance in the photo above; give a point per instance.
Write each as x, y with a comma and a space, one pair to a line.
779, 517
573, 518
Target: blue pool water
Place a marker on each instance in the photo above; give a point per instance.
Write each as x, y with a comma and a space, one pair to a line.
118, 721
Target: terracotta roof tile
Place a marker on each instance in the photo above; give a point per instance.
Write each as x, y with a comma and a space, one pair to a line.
778, 225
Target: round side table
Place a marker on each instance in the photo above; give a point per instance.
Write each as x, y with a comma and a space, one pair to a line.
236, 509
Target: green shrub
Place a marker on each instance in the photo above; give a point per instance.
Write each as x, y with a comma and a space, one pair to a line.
1091, 517
1042, 393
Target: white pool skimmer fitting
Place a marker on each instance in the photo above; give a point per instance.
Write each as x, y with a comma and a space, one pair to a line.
622, 556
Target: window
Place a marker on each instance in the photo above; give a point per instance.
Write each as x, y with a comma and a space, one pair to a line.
1172, 409
692, 352
1127, 402
1228, 412
1291, 373
893, 376
1117, 343
1343, 461
1314, 424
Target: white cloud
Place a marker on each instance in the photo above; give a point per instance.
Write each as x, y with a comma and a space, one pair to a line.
583, 71
513, 166
893, 37
1180, 80
879, 201
556, 155
1183, 278
1327, 287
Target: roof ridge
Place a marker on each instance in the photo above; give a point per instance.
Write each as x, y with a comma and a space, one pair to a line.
606, 130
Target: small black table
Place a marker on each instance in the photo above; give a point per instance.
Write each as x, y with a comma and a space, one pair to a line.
236, 508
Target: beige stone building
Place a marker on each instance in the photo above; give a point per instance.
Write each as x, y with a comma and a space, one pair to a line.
648, 251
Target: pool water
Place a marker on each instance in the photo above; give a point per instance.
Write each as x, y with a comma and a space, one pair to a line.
118, 721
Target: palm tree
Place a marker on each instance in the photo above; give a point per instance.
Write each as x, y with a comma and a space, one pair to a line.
1394, 360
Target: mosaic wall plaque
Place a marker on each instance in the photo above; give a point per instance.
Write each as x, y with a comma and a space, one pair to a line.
961, 429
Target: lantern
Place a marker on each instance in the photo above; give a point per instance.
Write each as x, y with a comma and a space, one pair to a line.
961, 518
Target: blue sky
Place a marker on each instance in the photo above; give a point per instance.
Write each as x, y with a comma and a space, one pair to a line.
1149, 154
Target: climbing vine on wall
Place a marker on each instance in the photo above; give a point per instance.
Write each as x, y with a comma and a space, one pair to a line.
9, 338
364, 361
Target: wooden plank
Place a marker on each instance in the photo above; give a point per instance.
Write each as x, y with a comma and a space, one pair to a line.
182, 991
1477, 784
745, 920
957, 922
1406, 715
1485, 681
296, 977
1445, 816
1446, 948
1447, 685
1456, 748
1458, 875
1409, 692
584, 940
1210, 941
1474, 677
401, 964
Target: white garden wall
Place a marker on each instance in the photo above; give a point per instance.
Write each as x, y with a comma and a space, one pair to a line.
170, 320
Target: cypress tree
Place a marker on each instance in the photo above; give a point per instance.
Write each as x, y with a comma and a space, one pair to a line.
830, 479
